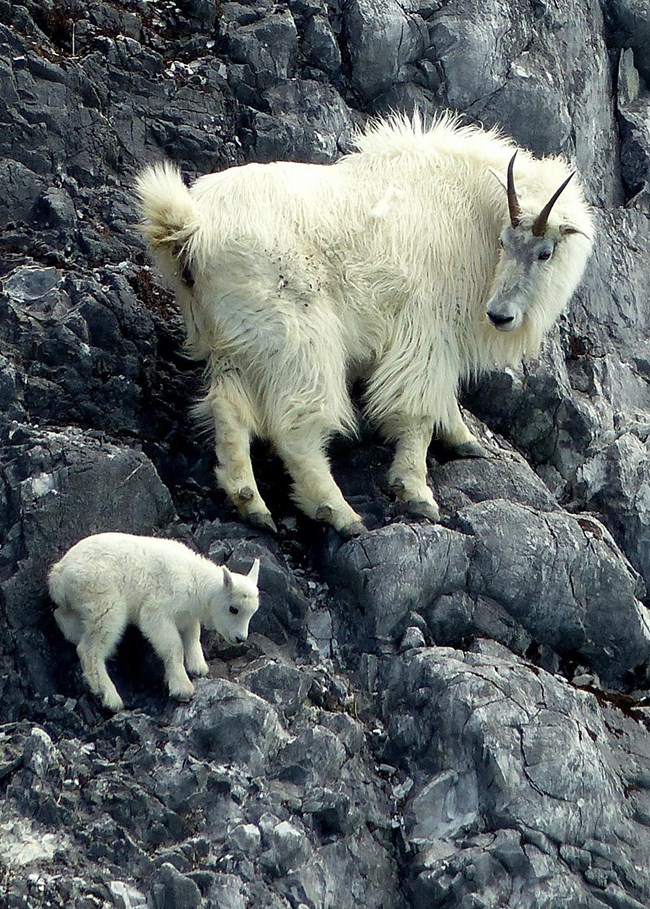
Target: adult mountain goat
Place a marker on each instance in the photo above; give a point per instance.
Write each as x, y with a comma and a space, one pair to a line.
427, 256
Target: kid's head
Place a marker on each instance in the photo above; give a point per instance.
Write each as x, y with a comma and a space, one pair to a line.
238, 604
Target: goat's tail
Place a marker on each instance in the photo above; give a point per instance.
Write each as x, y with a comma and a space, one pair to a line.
166, 206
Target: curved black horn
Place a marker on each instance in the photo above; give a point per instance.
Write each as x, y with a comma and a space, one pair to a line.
542, 218
513, 202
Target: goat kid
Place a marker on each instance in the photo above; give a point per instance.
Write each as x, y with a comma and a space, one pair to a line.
110, 580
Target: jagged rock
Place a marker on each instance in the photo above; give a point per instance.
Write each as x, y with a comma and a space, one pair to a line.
228, 724
479, 733
400, 730
382, 39
629, 27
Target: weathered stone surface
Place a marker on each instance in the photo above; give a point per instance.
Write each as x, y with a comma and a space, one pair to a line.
416, 719
383, 38
481, 733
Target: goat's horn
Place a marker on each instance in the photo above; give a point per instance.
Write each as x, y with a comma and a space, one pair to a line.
513, 202
542, 218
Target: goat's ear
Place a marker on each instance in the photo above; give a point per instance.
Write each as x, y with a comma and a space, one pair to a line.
254, 573
227, 580
567, 229
501, 180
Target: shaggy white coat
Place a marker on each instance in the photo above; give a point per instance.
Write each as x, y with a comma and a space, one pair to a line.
110, 580
294, 279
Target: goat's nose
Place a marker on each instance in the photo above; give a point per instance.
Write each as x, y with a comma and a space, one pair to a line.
239, 639
497, 319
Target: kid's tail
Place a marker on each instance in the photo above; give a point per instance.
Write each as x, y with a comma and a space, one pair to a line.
166, 206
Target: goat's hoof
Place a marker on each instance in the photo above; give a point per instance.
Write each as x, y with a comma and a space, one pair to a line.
113, 703
245, 494
182, 693
419, 509
262, 520
355, 529
469, 450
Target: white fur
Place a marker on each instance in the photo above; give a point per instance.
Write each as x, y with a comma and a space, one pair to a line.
110, 580
380, 267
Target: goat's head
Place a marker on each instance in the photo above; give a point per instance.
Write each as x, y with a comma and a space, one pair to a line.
527, 252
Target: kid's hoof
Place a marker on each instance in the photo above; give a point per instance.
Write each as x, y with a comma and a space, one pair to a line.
262, 520
420, 509
199, 671
355, 529
469, 450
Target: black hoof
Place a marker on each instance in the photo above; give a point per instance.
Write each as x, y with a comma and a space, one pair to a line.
419, 510
355, 529
469, 450
262, 520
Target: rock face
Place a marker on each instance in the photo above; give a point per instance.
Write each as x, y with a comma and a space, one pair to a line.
449, 715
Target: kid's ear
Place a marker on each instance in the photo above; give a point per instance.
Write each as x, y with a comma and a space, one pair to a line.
254, 573
227, 579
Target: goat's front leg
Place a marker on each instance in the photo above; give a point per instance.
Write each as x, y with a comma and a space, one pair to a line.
407, 475
314, 488
234, 470
457, 438
165, 638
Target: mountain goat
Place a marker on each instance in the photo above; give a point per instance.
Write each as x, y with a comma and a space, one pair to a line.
405, 264
110, 580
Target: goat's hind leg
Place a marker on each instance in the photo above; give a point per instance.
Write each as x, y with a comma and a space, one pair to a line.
231, 412
407, 475
96, 645
302, 450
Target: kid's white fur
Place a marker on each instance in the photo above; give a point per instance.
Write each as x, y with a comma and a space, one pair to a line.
110, 580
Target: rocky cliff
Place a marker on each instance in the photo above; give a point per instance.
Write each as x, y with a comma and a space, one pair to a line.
448, 715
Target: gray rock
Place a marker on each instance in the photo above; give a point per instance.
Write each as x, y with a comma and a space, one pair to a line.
321, 48
561, 578
433, 561
171, 890
338, 759
502, 774
269, 47
633, 112
287, 849
629, 27
228, 724
382, 38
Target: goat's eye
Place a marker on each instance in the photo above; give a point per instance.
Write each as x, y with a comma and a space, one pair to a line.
234, 610
545, 255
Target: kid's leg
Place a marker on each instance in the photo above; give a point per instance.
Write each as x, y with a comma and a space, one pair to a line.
195, 663
164, 637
